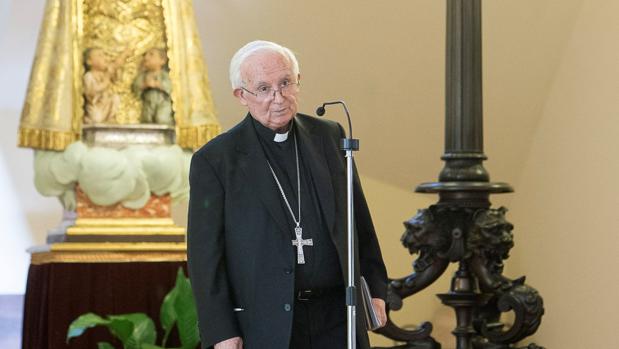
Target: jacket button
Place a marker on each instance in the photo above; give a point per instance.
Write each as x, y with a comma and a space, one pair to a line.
287, 271
287, 307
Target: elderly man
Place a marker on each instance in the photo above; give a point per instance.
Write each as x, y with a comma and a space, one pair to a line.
267, 220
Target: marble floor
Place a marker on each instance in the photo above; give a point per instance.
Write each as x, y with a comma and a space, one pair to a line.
11, 308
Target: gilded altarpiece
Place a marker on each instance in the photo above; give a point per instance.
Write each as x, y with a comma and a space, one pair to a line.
119, 25
109, 172
53, 113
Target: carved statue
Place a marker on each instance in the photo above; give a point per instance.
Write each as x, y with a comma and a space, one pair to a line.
108, 162
480, 238
53, 116
490, 240
153, 86
101, 103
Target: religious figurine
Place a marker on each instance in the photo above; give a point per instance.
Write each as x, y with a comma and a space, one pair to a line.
101, 103
153, 86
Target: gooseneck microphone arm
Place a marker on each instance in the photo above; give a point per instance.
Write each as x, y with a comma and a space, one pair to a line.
349, 145
345, 143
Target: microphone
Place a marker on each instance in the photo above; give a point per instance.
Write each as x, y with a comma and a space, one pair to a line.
347, 143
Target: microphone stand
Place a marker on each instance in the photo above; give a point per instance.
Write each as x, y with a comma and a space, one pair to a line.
349, 145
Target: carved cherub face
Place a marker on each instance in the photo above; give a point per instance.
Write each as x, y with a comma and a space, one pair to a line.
97, 60
154, 59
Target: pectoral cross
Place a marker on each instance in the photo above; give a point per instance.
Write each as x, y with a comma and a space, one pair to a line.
299, 242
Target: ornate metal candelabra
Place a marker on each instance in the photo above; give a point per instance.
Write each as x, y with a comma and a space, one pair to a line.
462, 227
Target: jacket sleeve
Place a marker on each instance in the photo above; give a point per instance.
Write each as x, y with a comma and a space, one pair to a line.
370, 257
206, 254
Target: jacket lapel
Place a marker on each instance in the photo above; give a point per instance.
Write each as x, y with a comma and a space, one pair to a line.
253, 163
312, 149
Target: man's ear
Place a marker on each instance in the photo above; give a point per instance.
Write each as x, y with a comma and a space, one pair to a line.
238, 93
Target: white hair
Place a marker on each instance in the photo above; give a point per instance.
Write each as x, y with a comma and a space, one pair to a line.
252, 48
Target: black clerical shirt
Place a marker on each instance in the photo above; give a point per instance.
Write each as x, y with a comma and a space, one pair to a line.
322, 268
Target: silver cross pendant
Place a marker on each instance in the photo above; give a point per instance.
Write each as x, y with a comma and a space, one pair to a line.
299, 243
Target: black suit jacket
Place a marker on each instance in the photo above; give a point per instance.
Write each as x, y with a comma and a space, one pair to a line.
241, 261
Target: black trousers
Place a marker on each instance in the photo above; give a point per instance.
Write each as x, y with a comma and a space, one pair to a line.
319, 323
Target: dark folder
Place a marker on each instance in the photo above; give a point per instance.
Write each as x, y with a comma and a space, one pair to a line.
371, 319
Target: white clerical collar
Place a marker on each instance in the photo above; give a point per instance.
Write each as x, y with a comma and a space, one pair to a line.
281, 137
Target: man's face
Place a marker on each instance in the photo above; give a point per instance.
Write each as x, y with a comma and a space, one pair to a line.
268, 69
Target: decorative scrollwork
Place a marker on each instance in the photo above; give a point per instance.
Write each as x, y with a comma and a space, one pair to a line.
527, 306
422, 236
490, 241
481, 238
484, 344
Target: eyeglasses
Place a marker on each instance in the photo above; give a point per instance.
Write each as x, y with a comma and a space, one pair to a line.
286, 89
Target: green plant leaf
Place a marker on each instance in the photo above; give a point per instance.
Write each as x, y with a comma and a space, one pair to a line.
120, 327
133, 329
137, 330
144, 329
185, 307
151, 346
167, 314
84, 322
104, 345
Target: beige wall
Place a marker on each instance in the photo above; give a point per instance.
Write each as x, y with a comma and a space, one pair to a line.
567, 203
550, 84
386, 60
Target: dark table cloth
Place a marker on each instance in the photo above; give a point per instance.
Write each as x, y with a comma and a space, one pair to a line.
57, 293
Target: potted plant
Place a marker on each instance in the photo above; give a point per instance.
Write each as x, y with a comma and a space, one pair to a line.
137, 330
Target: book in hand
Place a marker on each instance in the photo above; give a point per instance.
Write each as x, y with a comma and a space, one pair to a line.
371, 318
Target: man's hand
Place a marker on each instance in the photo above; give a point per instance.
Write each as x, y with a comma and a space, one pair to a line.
379, 307
232, 343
